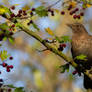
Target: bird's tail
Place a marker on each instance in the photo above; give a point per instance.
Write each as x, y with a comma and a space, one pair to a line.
87, 82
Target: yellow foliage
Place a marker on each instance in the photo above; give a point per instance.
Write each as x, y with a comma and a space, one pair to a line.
73, 3
56, 10
26, 7
88, 5
2, 10
49, 31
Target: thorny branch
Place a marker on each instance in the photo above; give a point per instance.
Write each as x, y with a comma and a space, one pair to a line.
42, 41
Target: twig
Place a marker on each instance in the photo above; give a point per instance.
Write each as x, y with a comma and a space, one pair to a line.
48, 46
53, 4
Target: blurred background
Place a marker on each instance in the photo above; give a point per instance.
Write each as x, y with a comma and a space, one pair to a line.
39, 71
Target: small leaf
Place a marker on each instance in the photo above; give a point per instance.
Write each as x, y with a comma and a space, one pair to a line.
4, 55
5, 38
4, 10
49, 31
65, 39
88, 5
73, 3
64, 67
4, 26
11, 40
35, 26
20, 89
11, 86
41, 11
26, 7
81, 57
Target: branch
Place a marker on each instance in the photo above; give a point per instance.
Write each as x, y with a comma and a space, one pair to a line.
42, 41
48, 46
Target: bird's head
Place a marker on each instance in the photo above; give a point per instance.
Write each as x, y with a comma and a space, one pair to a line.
77, 27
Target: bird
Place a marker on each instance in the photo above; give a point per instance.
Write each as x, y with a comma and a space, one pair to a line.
82, 45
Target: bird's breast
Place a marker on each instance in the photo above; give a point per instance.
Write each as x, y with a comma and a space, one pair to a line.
81, 46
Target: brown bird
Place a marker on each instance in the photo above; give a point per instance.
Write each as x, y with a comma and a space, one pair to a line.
82, 44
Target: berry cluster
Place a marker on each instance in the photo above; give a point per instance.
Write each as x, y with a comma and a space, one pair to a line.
51, 11
30, 22
22, 14
32, 12
5, 65
19, 14
3, 89
4, 33
61, 47
8, 68
77, 13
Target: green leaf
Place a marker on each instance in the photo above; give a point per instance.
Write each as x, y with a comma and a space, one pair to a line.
11, 86
4, 55
4, 26
20, 89
65, 39
4, 10
81, 57
64, 68
35, 26
84, 6
11, 40
41, 11
5, 38
57, 38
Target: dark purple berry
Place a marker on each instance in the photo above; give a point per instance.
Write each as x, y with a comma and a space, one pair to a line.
13, 25
8, 69
60, 48
62, 12
49, 10
78, 16
12, 7
4, 64
11, 33
24, 13
74, 16
31, 13
28, 23
11, 58
9, 90
31, 21
1, 80
33, 9
76, 9
12, 15
71, 13
18, 15
82, 14
20, 11
70, 7
11, 66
